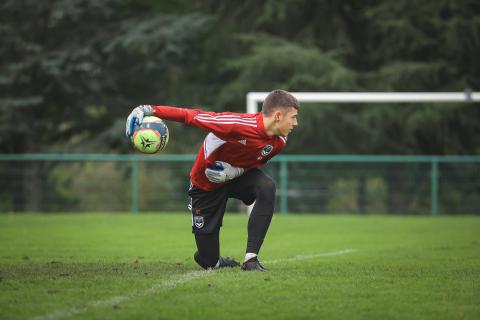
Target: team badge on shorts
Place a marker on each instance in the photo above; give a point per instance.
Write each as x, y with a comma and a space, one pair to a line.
267, 149
198, 221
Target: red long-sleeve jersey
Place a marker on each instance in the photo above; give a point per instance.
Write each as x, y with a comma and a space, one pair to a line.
236, 138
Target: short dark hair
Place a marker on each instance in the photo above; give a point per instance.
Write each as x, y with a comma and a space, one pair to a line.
279, 99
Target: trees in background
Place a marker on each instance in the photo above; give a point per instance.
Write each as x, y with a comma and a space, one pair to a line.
71, 70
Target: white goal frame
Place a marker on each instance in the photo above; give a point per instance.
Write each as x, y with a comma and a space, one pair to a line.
253, 98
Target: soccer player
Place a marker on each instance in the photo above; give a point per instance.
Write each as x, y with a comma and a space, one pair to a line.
228, 166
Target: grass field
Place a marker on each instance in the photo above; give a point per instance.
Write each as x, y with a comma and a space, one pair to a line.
111, 266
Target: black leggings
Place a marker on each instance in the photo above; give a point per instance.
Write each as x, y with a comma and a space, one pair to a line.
253, 186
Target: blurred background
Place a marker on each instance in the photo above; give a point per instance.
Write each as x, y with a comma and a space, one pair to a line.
72, 70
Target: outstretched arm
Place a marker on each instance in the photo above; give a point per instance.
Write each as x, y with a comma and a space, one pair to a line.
218, 123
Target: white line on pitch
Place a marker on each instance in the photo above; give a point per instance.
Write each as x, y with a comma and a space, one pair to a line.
168, 285
312, 256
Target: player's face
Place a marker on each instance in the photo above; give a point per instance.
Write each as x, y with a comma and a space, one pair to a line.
287, 121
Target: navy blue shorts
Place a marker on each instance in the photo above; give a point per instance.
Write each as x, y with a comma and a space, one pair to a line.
208, 207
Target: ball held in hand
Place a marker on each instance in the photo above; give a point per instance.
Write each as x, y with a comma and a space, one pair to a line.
151, 135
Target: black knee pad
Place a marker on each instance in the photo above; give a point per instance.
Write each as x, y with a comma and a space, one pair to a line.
205, 262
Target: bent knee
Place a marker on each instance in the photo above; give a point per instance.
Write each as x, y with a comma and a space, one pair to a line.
205, 262
266, 188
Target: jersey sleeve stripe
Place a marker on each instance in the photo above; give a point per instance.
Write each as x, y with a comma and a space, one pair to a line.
236, 119
229, 122
225, 117
226, 120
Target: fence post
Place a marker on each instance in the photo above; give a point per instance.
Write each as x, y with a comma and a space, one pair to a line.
283, 185
134, 177
434, 187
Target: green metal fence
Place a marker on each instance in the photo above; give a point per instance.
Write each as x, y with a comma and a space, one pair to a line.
306, 183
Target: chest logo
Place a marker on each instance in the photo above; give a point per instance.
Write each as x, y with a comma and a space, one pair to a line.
266, 150
243, 141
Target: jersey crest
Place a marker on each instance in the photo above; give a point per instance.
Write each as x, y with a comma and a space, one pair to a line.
266, 150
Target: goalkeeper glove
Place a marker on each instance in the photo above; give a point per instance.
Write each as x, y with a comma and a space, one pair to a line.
136, 117
224, 172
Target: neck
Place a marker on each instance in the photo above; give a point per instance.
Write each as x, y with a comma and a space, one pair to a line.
269, 125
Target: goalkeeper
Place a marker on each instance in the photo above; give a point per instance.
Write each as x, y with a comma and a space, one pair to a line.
228, 166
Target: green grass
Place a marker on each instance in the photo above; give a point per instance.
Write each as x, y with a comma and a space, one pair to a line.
111, 266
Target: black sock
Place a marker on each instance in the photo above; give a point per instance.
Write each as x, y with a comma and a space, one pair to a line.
257, 229
260, 219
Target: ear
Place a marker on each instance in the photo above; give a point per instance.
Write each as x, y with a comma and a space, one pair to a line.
277, 115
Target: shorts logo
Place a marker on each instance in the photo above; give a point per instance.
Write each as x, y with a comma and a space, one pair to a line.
266, 150
198, 221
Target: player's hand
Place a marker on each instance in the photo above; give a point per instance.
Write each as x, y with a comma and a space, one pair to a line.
136, 116
224, 172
